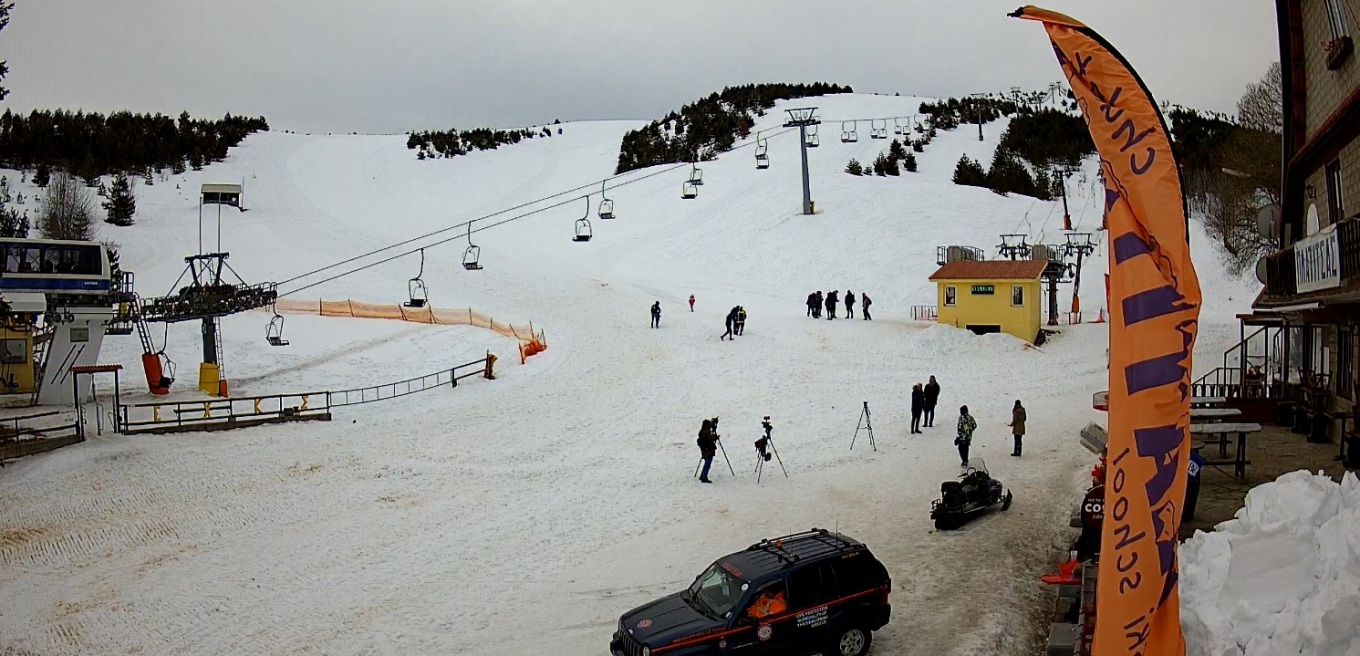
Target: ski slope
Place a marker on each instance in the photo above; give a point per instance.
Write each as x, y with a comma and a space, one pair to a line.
524, 515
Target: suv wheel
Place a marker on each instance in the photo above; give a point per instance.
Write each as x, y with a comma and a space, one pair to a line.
851, 641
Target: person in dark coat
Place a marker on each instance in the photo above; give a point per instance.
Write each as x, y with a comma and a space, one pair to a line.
656, 314
932, 392
812, 303
965, 435
731, 321
691, 302
864, 302
849, 304
918, 405
831, 301
817, 305
1017, 426
740, 322
708, 448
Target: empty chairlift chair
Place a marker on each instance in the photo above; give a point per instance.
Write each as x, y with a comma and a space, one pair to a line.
696, 175
878, 133
849, 132
762, 153
583, 231
273, 333
471, 256
897, 126
688, 191
417, 294
813, 140
606, 205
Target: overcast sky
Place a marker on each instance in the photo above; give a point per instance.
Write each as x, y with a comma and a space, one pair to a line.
396, 65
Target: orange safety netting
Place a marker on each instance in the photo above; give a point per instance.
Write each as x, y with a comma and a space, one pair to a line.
531, 341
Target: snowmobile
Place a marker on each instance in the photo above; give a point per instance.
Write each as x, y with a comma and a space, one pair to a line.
969, 497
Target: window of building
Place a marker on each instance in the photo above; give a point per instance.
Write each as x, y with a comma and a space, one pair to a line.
1336, 18
1335, 210
1017, 295
951, 295
13, 351
1345, 363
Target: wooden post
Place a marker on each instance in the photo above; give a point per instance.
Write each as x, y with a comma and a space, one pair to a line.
490, 366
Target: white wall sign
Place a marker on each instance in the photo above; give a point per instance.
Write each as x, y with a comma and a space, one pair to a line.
1316, 261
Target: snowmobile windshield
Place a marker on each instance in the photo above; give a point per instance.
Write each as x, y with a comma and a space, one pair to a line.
715, 592
978, 464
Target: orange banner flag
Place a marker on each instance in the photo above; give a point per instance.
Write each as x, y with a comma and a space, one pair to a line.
1154, 320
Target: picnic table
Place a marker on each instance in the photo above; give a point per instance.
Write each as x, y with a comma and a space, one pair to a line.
1212, 415
1207, 401
1220, 433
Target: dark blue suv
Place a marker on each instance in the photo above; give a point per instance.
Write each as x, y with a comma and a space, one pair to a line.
807, 593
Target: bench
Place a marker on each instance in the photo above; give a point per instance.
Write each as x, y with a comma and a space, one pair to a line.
1220, 434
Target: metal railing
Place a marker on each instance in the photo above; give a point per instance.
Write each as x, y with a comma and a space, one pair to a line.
20, 437
239, 412
925, 313
445, 378
1348, 238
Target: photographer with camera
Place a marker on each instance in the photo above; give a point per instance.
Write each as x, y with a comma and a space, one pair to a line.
708, 446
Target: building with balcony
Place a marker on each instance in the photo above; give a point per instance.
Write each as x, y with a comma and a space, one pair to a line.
1311, 299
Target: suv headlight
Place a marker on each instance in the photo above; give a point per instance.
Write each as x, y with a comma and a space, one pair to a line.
646, 651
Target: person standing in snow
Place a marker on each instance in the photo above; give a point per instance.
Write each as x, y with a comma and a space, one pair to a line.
965, 436
1017, 426
708, 448
918, 405
656, 314
812, 303
691, 302
932, 394
740, 323
849, 304
731, 319
831, 301
817, 305
864, 302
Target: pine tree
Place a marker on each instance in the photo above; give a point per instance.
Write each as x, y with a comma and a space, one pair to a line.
969, 172
67, 212
121, 205
896, 151
42, 176
177, 167
909, 163
854, 167
918, 146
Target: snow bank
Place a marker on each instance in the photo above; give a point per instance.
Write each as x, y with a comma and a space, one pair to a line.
1283, 577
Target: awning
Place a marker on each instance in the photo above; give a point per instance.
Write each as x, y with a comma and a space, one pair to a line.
33, 302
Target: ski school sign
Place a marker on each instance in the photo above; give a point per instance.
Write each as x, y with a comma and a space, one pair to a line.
1155, 300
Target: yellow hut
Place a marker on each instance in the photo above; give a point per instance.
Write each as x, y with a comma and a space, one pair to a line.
17, 336
1000, 296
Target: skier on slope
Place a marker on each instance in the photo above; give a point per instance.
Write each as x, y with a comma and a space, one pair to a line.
656, 314
965, 435
864, 302
849, 304
831, 302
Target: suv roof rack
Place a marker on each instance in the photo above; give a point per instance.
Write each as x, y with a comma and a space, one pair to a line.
775, 546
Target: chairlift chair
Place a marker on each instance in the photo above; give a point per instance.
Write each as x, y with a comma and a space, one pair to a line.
696, 174
897, 126
688, 191
812, 139
762, 153
878, 133
472, 254
849, 131
417, 295
273, 333
606, 205
583, 231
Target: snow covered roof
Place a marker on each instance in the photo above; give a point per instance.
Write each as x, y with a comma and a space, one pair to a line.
991, 270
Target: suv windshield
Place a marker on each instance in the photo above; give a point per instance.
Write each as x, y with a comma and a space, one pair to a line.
715, 592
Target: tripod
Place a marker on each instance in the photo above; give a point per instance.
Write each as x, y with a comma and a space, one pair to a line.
864, 424
724, 454
761, 457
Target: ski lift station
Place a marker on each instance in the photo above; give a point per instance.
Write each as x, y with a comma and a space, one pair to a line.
997, 296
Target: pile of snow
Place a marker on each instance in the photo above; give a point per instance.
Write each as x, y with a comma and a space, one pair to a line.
1283, 577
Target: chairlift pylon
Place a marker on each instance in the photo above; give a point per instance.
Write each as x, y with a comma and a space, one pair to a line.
473, 254
417, 294
273, 333
606, 205
583, 231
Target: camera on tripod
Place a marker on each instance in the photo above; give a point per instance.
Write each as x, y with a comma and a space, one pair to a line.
763, 444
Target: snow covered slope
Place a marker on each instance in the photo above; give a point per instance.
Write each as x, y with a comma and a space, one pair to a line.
524, 515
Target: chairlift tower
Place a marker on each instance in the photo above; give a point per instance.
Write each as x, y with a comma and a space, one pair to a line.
1079, 244
801, 118
1014, 246
1055, 272
977, 102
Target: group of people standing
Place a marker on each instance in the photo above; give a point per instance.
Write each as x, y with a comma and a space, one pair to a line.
816, 301
923, 401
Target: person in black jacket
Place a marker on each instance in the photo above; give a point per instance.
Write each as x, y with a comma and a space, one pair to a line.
708, 448
656, 314
831, 301
918, 405
731, 323
811, 303
849, 304
739, 322
864, 302
932, 396
817, 305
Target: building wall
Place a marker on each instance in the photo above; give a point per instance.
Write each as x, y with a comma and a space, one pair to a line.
1350, 186
21, 373
994, 309
1326, 89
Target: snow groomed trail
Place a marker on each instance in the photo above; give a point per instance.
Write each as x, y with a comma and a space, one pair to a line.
523, 515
